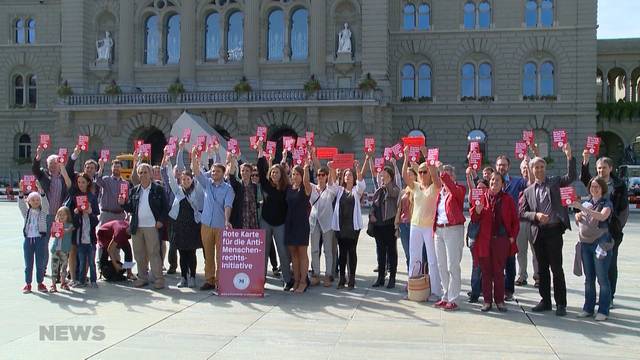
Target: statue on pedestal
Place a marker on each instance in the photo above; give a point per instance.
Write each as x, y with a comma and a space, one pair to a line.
344, 40
104, 47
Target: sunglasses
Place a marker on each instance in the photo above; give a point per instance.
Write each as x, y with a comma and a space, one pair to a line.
254, 175
321, 174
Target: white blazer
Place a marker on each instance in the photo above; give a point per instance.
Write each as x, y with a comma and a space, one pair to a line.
357, 191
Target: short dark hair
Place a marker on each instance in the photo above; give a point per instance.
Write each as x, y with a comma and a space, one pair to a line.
489, 169
504, 157
92, 162
601, 182
116, 162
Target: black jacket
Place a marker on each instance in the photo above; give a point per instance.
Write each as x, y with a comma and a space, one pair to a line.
238, 200
77, 218
157, 202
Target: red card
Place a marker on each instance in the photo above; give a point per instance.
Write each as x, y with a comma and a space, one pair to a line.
83, 142
568, 195
271, 148
397, 151
82, 202
369, 145
57, 229
45, 141
299, 155
433, 155
170, 150
379, 164
124, 190
474, 146
288, 142
186, 135
301, 142
475, 160
261, 133
311, 138
326, 153
559, 138
233, 147
105, 155
253, 142
214, 141
476, 195
172, 140
62, 155
145, 150
414, 153
413, 141
388, 153
343, 161
29, 184
528, 137
136, 145
521, 149
593, 145
201, 143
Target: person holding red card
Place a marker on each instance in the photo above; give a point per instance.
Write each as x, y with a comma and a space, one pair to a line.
403, 215
34, 210
60, 248
540, 206
90, 167
110, 188
499, 225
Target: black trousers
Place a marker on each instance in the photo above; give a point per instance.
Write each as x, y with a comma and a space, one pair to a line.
386, 249
188, 263
548, 247
347, 256
173, 256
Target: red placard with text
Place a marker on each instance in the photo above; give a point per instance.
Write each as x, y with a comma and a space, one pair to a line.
301, 142
233, 147
83, 142
298, 155
57, 229
288, 142
201, 143
242, 263
414, 153
105, 155
145, 150
476, 195
475, 160
253, 142
343, 161
82, 202
261, 133
593, 145
136, 145
186, 135
63, 153
474, 146
568, 195
29, 184
521, 150
413, 141
433, 155
172, 140
271, 148
45, 141
124, 190
388, 153
326, 153
559, 138
170, 150
528, 137
397, 151
369, 145
214, 141
379, 164
311, 138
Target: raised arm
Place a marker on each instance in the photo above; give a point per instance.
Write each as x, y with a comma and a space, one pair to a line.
585, 175
571, 175
66, 178
435, 177
306, 180
170, 179
360, 170
35, 166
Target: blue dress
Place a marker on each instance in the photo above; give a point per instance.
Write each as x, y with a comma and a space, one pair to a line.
296, 225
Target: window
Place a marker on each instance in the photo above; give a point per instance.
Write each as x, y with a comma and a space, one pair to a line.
531, 14
530, 80
408, 81
484, 15
424, 81
276, 35
212, 36
299, 34
424, 17
24, 147
33, 91
547, 86
538, 13
19, 30
546, 13
172, 39
409, 18
151, 40
235, 36
416, 133
469, 16
18, 90
31, 32
468, 88
485, 80
538, 80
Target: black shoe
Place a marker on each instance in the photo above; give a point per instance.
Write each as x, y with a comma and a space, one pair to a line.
288, 286
172, 270
207, 286
379, 282
473, 300
342, 282
376, 269
521, 282
508, 297
541, 307
352, 282
392, 281
561, 310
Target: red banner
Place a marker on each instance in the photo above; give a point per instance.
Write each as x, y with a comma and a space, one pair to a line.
474, 146
343, 161
214, 141
124, 190
397, 151
418, 141
326, 153
172, 140
298, 155
242, 263
145, 150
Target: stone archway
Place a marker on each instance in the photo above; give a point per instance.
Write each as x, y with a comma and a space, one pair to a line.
611, 146
155, 137
276, 134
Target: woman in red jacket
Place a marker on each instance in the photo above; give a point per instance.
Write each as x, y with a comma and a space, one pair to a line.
499, 226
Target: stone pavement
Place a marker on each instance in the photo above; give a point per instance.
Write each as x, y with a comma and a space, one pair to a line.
322, 324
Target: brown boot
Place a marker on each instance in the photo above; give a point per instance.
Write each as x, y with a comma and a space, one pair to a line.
327, 281
315, 281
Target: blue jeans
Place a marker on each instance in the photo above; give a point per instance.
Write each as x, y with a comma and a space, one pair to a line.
87, 254
596, 269
476, 279
35, 248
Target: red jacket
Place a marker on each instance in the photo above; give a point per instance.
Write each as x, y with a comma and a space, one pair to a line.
453, 202
510, 221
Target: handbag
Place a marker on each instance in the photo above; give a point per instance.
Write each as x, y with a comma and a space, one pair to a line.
419, 286
472, 233
371, 227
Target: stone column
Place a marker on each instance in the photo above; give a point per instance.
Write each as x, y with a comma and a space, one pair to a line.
188, 43
125, 44
317, 33
251, 39
627, 88
375, 40
75, 55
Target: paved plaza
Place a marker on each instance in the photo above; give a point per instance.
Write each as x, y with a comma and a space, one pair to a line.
323, 323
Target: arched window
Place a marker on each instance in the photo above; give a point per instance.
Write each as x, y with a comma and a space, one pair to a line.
485, 80
469, 16
424, 17
33, 91
173, 40
151, 40
416, 133
546, 13
408, 81
18, 91
299, 34
235, 36
531, 14
409, 18
212, 36
529, 79
547, 86
19, 31
31, 32
484, 15
467, 86
424, 81
276, 35
24, 147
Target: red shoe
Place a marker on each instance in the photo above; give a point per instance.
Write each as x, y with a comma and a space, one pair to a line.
451, 307
65, 286
42, 287
440, 304
26, 289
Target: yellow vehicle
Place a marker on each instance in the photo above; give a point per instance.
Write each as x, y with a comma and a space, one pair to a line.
127, 165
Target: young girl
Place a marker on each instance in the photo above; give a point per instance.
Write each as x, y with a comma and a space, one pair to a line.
60, 247
34, 231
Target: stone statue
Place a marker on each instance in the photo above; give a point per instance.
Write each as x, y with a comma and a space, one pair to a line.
344, 40
104, 47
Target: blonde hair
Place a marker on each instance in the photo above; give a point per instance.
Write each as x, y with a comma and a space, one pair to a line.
64, 210
34, 195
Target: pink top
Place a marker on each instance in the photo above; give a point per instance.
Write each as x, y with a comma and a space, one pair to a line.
405, 207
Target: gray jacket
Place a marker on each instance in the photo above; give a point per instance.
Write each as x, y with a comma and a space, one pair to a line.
196, 198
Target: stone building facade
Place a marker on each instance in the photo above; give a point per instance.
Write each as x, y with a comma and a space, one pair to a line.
452, 70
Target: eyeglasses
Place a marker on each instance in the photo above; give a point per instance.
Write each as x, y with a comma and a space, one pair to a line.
321, 174
254, 175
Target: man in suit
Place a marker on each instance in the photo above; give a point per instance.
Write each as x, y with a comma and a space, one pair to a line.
542, 207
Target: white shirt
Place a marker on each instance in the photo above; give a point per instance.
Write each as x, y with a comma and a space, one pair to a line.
85, 236
32, 225
442, 213
322, 207
145, 215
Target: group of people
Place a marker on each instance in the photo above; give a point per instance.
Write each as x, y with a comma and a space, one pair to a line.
305, 203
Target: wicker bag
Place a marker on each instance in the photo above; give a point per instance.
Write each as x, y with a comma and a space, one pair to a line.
419, 287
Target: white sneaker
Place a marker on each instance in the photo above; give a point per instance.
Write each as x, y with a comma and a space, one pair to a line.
601, 317
192, 282
183, 283
585, 314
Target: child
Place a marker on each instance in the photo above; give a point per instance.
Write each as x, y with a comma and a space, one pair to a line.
34, 231
60, 248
